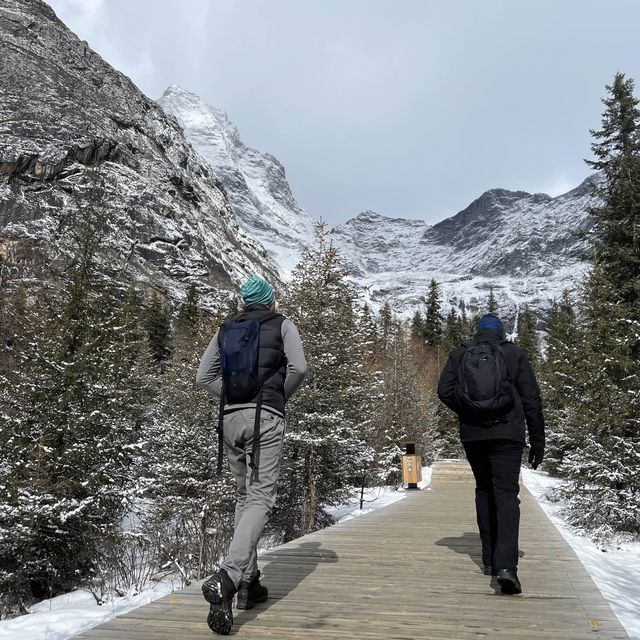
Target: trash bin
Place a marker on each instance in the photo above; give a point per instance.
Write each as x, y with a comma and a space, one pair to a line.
411, 467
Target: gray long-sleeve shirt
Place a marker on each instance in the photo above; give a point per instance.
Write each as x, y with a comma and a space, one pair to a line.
209, 378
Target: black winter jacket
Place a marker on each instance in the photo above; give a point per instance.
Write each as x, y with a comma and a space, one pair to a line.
527, 408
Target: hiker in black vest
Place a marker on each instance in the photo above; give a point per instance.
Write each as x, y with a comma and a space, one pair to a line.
491, 386
254, 364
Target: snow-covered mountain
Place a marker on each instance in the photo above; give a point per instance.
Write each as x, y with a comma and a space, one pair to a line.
224, 211
523, 245
65, 113
255, 182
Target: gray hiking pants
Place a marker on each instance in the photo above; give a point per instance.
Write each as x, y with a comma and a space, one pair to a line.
256, 496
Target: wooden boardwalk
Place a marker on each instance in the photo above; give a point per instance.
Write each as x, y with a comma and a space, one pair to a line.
408, 571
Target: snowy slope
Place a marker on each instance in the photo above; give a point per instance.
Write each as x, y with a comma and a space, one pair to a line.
614, 566
255, 182
523, 245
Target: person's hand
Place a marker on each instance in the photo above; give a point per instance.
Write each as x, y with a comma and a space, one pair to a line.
536, 454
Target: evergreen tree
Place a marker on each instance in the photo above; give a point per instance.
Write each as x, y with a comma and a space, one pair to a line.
418, 327
189, 313
370, 328
454, 330
433, 318
527, 337
615, 274
561, 381
325, 451
386, 324
605, 474
188, 513
73, 410
470, 325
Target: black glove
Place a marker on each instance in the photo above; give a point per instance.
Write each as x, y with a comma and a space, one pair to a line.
536, 454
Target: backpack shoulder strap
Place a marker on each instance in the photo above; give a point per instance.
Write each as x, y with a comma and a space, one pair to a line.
502, 352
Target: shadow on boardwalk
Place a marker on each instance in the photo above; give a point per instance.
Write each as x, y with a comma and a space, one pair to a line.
410, 570
467, 544
285, 570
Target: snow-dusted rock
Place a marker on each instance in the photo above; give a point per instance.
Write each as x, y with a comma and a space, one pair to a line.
64, 110
258, 191
523, 245
227, 211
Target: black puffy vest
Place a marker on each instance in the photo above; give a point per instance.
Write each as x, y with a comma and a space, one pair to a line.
270, 357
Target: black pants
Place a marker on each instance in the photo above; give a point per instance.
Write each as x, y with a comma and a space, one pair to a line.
496, 468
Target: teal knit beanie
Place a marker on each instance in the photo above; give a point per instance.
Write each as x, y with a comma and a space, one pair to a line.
256, 290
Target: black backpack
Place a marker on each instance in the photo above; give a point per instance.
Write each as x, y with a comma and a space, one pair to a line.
239, 342
484, 386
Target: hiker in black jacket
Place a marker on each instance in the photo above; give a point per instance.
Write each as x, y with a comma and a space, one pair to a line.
491, 386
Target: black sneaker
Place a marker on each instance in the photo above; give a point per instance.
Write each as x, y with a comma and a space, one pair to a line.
251, 593
218, 591
508, 581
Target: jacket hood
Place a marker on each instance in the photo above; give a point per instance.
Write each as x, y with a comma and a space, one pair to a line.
489, 335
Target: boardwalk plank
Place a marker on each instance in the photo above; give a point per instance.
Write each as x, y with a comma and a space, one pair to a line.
410, 570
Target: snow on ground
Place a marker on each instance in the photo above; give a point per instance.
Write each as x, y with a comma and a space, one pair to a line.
615, 568
65, 616
72, 613
374, 498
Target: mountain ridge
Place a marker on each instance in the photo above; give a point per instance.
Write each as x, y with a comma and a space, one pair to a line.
519, 243
189, 201
255, 182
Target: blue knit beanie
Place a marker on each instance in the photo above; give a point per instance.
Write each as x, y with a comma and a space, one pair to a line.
490, 322
256, 290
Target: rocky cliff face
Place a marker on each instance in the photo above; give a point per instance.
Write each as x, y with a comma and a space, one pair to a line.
64, 112
258, 191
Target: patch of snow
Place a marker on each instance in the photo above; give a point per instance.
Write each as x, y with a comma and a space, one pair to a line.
375, 498
67, 615
615, 569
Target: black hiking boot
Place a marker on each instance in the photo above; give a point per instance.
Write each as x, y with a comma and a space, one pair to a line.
251, 593
218, 591
508, 581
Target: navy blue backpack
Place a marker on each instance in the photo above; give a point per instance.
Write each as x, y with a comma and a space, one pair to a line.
239, 342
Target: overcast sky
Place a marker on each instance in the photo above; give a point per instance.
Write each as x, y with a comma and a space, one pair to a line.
411, 108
